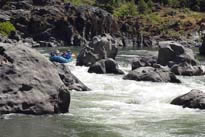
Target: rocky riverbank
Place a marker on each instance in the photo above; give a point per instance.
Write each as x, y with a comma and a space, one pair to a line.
51, 23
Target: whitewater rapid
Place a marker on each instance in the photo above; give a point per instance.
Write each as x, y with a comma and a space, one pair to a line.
116, 108
137, 109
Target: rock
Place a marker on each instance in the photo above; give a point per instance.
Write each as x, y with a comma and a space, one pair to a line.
30, 83
105, 66
193, 99
186, 69
101, 47
14, 36
4, 17
70, 81
31, 42
181, 60
202, 47
175, 52
143, 62
152, 74
138, 41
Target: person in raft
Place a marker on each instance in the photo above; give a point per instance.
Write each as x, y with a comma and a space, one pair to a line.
55, 53
67, 54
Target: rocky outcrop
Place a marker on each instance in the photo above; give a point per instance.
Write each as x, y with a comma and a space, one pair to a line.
186, 69
105, 66
193, 99
175, 53
58, 22
64, 24
152, 74
202, 47
30, 84
143, 62
70, 81
181, 60
101, 47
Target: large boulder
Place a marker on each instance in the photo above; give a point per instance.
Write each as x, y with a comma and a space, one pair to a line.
70, 81
193, 99
30, 83
181, 60
159, 74
105, 66
175, 53
101, 47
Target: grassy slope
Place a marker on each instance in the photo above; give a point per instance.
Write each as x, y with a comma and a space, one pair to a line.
166, 22
171, 22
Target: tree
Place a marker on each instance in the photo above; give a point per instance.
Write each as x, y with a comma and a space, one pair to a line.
150, 4
142, 6
126, 9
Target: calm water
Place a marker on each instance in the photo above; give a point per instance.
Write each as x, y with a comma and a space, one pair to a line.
116, 108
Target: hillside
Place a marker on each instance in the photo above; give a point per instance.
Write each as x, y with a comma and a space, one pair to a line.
74, 22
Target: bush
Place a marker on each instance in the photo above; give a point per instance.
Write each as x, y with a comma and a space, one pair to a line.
126, 9
6, 28
142, 7
81, 2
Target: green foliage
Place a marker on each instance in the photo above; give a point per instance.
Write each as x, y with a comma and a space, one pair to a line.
6, 28
126, 9
150, 4
81, 2
142, 7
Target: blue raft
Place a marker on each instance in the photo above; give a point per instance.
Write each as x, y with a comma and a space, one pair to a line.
62, 59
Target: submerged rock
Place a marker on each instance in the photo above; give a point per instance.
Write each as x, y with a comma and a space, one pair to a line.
101, 47
30, 84
105, 66
186, 69
143, 62
193, 99
152, 74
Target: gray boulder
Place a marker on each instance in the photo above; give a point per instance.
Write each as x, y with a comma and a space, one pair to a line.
152, 74
101, 47
186, 69
30, 83
143, 62
105, 66
70, 81
181, 60
193, 99
175, 53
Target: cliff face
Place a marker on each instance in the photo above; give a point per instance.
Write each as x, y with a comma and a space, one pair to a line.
63, 24
55, 23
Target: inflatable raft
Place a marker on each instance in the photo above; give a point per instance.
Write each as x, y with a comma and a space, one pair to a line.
62, 59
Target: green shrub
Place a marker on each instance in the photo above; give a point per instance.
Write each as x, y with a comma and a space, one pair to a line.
126, 9
6, 28
81, 2
142, 7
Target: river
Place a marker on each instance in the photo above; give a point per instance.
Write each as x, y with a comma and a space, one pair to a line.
116, 108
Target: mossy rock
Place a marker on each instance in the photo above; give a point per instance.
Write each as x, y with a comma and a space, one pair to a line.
6, 28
